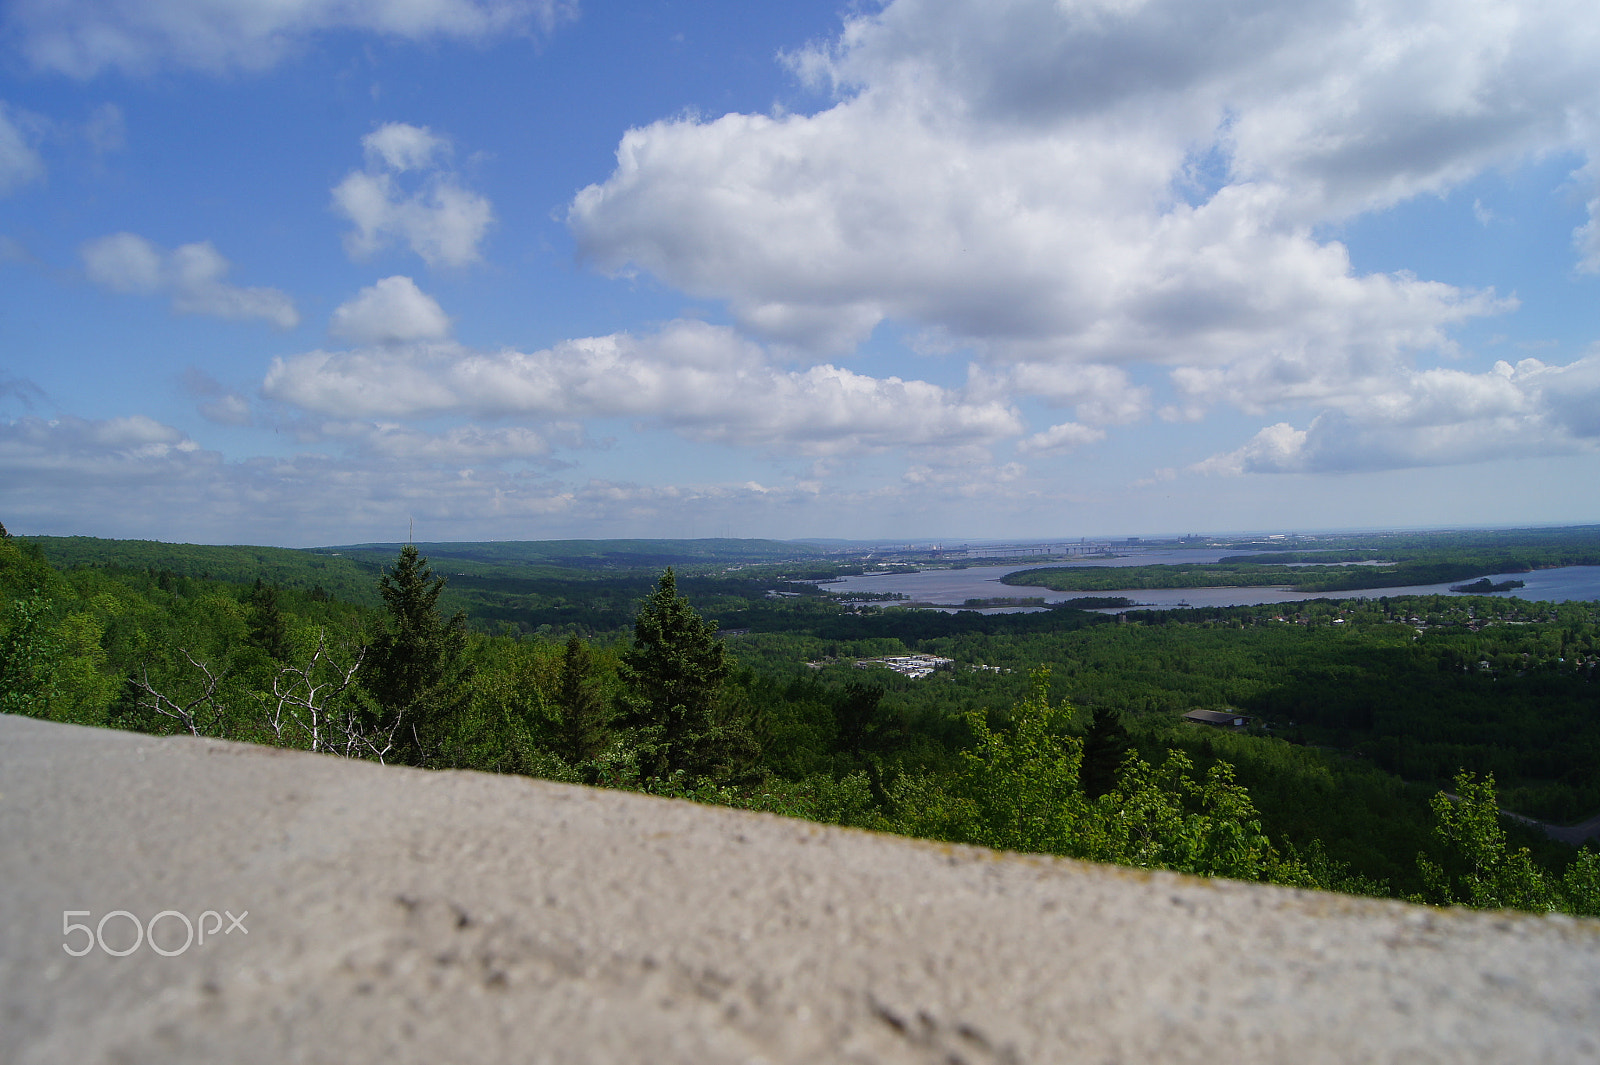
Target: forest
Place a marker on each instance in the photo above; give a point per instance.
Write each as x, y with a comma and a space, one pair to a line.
1385, 735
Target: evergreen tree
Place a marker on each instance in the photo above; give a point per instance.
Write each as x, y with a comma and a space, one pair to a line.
583, 730
1105, 746
674, 671
862, 726
864, 732
414, 672
269, 627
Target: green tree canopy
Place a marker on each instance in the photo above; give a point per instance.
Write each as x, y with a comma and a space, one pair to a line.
584, 726
269, 625
29, 659
415, 673
1105, 746
1479, 867
674, 672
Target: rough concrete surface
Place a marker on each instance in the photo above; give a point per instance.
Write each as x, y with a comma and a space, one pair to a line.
397, 916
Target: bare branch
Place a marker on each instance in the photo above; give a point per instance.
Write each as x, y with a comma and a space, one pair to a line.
185, 713
308, 703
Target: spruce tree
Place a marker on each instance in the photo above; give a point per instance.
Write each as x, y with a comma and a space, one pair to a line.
269, 627
1105, 746
414, 671
674, 671
583, 730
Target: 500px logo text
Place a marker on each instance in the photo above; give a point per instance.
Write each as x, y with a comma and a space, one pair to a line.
146, 932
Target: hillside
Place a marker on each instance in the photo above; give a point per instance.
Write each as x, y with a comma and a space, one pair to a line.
1361, 711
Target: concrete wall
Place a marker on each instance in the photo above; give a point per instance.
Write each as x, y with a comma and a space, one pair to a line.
399, 916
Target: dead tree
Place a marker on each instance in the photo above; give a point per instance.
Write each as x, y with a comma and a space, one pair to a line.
308, 708
183, 713
316, 706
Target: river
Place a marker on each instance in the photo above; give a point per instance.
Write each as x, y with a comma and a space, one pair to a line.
949, 588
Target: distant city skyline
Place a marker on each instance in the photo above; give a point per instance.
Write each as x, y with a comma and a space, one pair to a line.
311, 273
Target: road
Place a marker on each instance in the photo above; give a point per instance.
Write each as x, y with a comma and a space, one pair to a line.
1573, 834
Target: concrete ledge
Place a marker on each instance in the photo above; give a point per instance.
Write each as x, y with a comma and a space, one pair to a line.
403, 916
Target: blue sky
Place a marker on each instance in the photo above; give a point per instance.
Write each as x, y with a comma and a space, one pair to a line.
306, 272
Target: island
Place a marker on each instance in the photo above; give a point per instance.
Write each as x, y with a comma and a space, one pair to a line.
1483, 586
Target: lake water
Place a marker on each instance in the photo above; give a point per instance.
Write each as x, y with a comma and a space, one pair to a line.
951, 588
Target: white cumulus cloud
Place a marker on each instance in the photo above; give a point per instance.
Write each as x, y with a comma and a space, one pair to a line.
1056, 184
407, 194
1063, 437
1100, 394
702, 381
103, 451
392, 311
191, 274
1437, 417
400, 147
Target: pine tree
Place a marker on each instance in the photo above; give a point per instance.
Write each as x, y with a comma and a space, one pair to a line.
414, 672
674, 671
1105, 746
583, 730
